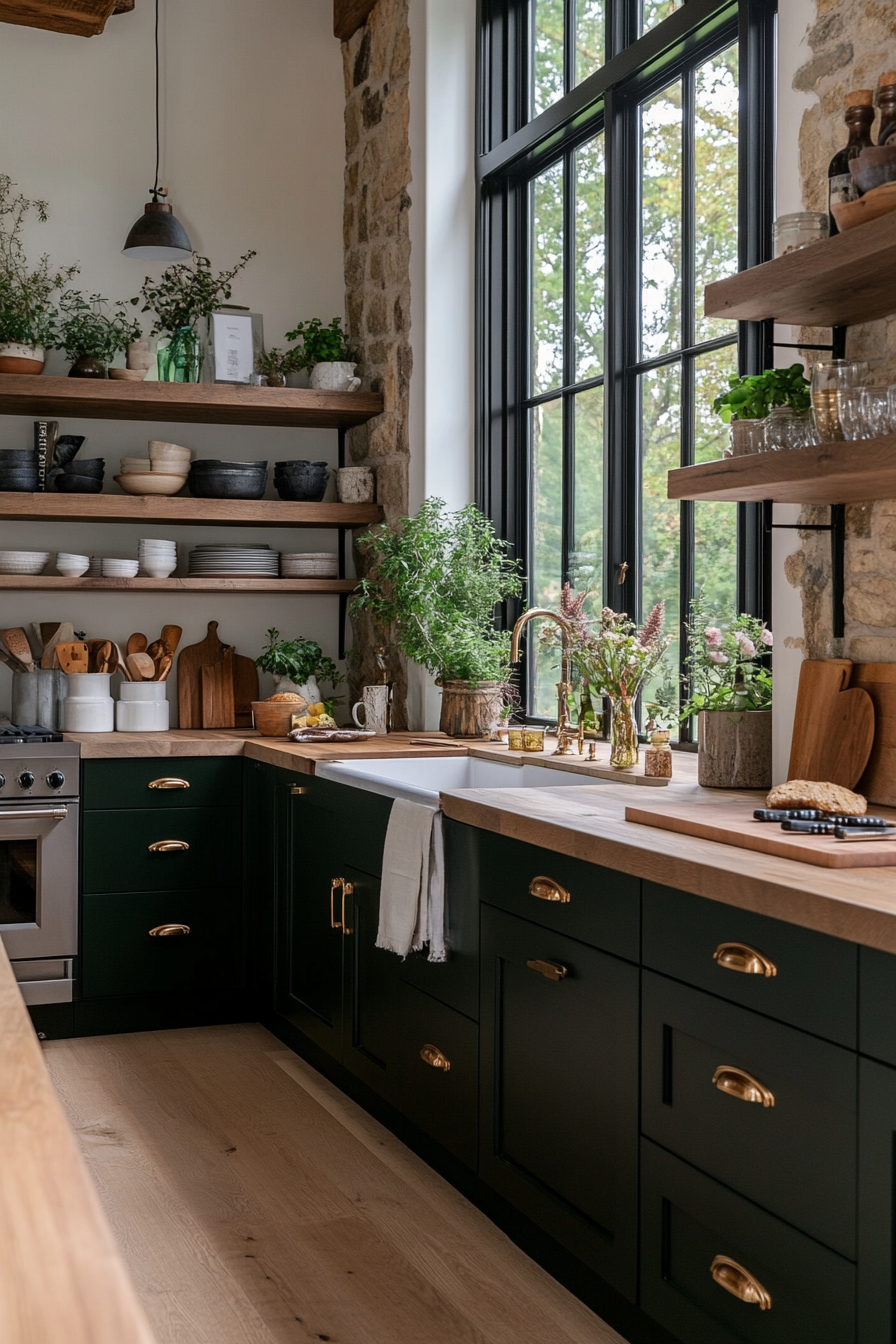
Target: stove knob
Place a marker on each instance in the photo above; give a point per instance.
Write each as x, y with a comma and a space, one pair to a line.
26, 780
55, 779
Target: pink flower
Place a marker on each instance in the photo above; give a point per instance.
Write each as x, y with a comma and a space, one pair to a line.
713, 636
715, 657
747, 647
766, 637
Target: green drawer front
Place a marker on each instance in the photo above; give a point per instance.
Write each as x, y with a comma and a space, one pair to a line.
687, 1220
796, 1156
816, 985
604, 908
117, 856
214, 781
119, 956
442, 1102
877, 1004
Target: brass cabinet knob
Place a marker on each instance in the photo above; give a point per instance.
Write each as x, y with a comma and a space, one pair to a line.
432, 1055
297, 790
739, 1282
169, 931
168, 847
738, 1083
551, 970
741, 957
546, 889
169, 784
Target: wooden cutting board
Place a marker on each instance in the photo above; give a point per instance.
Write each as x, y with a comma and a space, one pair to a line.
245, 689
732, 824
833, 728
878, 783
189, 678
217, 693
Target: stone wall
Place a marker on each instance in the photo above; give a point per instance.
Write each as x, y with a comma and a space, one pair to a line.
852, 41
376, 63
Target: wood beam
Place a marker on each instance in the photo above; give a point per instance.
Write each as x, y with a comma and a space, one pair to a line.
83, 18
349, 16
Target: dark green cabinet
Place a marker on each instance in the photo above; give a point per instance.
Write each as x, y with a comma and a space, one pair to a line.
164, 849
162, 782
435, 1064
877, 1203
559, 1089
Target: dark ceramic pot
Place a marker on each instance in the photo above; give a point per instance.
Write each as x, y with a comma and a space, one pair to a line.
204, 464
18, 483
303, 480
87, 367
86, 466
70, 484
15, 457
228, 484
67, 445
293, 494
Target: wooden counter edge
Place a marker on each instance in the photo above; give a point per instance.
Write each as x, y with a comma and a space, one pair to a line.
61, 1274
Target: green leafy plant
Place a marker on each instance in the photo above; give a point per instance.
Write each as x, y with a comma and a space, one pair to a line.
320, 344
87, 327
753, 396
275, 363
726, 668
438, 577
187, 292
27, 313
298, 659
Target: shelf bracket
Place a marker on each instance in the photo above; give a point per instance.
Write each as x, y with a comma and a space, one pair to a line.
837, 529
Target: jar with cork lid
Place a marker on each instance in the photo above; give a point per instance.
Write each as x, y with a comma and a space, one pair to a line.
658, 760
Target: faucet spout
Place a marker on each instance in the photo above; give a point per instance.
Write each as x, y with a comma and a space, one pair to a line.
564, 685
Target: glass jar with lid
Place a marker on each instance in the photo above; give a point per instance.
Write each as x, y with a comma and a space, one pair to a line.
792, 232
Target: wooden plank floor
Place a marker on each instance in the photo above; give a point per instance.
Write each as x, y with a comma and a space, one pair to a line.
255, 1204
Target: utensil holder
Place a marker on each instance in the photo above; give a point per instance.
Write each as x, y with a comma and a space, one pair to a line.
38, 697
142, 707
88, 708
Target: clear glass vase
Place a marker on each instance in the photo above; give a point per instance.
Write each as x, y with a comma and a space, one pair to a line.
623, 733
181, 360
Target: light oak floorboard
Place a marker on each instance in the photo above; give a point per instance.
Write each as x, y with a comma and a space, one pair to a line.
255, 1204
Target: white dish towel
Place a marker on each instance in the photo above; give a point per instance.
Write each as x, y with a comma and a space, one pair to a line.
412, 895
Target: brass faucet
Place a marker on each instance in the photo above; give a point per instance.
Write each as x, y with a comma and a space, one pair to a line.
566, 734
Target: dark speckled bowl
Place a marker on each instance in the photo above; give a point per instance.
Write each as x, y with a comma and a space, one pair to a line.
70, 484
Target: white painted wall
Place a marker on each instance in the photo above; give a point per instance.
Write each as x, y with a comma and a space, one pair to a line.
253, 154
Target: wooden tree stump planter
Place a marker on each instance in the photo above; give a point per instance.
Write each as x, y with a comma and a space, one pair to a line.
471, 710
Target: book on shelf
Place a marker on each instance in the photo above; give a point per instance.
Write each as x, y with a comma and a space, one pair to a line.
45, 432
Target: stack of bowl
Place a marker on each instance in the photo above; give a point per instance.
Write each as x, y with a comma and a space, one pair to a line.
120, 569
211, 478
23, 562
72, 566
301, 481
163, 472
169, 457
158, 558
18, 470
310, 565
81, 476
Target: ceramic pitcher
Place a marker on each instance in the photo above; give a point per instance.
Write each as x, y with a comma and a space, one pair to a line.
337, 377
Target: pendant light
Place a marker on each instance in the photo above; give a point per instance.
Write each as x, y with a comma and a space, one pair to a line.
158, 234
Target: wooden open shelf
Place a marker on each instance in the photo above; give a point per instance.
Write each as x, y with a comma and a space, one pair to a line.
190, 403
52, 507
854, 472
51, 583
836, 282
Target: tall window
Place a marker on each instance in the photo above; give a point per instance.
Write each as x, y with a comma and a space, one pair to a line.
614, 189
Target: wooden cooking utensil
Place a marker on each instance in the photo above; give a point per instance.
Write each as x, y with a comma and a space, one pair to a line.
16, 642
217, 693
245, 690
99, 652
141, 666
878, 783
170, 638
833, 728
163, 667
189, 680
122, 666
136, 644
61, 633
73, 657
12, 663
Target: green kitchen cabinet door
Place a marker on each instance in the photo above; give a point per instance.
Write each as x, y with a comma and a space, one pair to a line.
877, 1204
370, 980
559, 1089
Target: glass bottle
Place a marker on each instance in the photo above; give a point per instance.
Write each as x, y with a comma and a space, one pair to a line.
658, 761
886, 101
859, 118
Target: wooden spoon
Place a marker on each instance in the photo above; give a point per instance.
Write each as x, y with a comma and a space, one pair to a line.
12, 663
170, 638
163, 667
121, 663
16, 642
137, 644
141, 666
73, 657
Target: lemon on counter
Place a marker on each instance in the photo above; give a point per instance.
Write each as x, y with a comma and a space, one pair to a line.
317, 709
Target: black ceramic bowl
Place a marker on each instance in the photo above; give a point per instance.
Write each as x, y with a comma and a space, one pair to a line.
87, 466
205, 464
18, 487
70, 484
228, 485
11, 477
299, 494
15, 457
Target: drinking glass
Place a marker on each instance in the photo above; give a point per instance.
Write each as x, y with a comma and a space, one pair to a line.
851, 413
891, 398
875, 411
829, 377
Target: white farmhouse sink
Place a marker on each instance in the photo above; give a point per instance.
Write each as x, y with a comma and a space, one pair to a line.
421, 779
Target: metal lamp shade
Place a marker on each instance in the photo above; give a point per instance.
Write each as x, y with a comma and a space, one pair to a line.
158, 235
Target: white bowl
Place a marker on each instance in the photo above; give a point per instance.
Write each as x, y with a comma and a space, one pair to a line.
151, 482
157, 541
71, 556
158, 571
159, 446
23, 562
129, 464
71, 571
156, 548
124, 570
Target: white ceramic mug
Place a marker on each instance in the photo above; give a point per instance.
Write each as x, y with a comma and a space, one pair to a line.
374, 705
335, 377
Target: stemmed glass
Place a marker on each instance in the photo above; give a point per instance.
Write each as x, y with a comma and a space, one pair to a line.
829, 378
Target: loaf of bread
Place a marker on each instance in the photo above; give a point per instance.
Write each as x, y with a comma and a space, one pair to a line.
812, 793
285, 698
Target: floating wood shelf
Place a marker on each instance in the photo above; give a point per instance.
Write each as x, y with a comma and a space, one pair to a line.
854, 472
53, 507
190, 403
83, 18
836, 282
42, 583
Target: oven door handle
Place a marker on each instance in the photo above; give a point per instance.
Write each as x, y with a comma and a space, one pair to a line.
39, 814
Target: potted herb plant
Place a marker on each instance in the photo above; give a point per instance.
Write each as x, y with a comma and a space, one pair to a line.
185, 295
437, 578
730, 687
297, 665
325, 351
749, 399
92, 331
275, 365
27, 314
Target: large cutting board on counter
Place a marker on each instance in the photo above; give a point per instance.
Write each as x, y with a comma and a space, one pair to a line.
731, 823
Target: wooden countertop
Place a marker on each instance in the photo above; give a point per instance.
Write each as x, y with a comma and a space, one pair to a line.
61, 1276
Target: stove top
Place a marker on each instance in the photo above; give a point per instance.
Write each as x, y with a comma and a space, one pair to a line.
14, 735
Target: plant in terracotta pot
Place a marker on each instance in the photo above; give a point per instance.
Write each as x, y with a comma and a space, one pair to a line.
298, 665
325, 351
92, 332
750, 398
28, 321
438, 578
730, 687
185, 296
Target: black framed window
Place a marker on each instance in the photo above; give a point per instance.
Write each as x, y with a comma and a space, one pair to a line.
626, 162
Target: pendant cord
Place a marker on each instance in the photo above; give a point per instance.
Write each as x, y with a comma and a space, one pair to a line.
155, 190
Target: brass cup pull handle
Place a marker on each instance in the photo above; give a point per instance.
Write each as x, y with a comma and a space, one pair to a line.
739, 1282
742, 1085
335, 884
168, 847
551, 970
741, 957
546, 889
169, 784
169, 931
432, 1055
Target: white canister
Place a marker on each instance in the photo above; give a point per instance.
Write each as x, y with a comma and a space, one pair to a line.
88, 708
142, 707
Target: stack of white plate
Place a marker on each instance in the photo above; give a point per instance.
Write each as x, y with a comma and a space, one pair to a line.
158, 558
24, 562
95, 567
234, 561
120, 569
72, 566
310, 565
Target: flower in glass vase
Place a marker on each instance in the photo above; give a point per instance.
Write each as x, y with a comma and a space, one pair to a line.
186, 294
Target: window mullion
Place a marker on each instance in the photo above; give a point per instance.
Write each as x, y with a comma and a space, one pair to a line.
569, 360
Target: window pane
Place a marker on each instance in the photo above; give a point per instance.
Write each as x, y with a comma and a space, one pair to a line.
546, 567
547, 62
715, 524
660, 516
716, 181
590, 260
547, 280
588, 542
711, 373
590, 37
654, 11
661, 223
